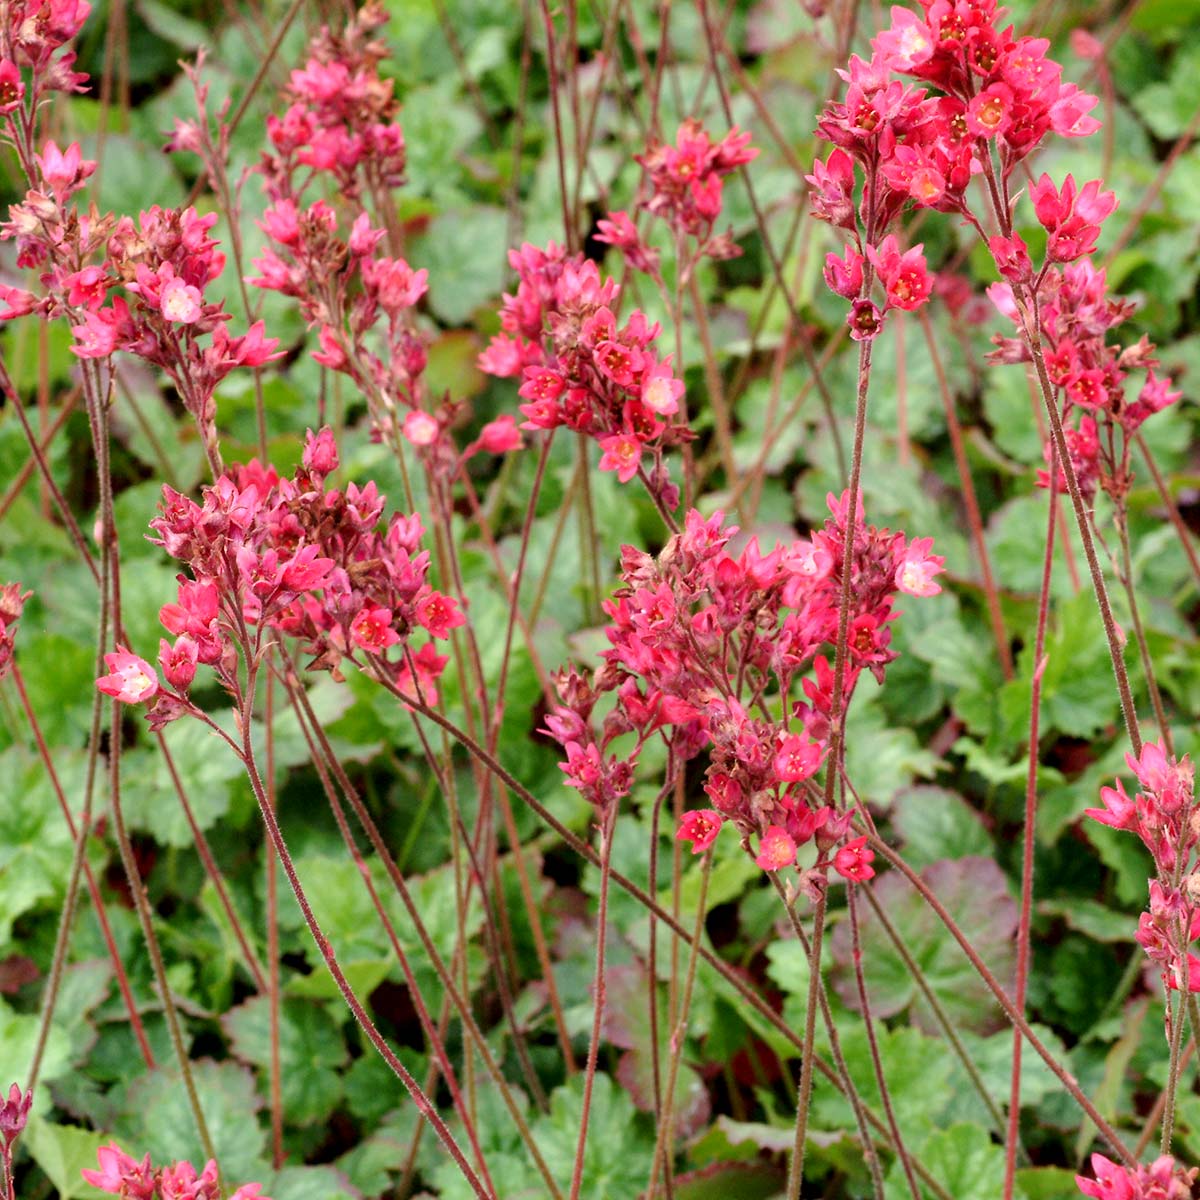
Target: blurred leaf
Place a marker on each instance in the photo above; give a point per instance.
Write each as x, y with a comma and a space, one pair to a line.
975, 894
937, 824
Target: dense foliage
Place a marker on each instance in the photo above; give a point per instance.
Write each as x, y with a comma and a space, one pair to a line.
598, 600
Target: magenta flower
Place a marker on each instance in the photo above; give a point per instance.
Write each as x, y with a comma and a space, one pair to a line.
120, 1175
853, 861
916, 567
776, 849
622, 453
372, 630
131, 679
439, 614
700, 827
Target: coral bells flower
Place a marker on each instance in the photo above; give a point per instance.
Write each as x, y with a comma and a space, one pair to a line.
1072, 218
916, 567
131, 679
797, 759
623, 454
853, 861
905, 277
776, 849
372, 630
14, 1112
120, 1175
700, 827
439, 614
1161, 1180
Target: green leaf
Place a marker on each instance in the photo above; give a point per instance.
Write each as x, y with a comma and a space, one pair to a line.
463, 252
965, 1161
937, 824
311, 1047
63, 1151
975, 894
205, 765
156, 1119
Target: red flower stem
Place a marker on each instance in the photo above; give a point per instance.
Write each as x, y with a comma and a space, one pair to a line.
664, 1141
60, 501
274, 995
804, 1091
714, 385
437, 1047
1176, 1021
212, 870
552, 72
608, 820
1032, 338
652, 935
1185, 536
79, 833
835, 1047
1011, 1011
1139, 633
651, 905
322, 749
970, 503
325, 948
939, 1012
1031, 798
873, 1043
98, 410
22, 477
799, 325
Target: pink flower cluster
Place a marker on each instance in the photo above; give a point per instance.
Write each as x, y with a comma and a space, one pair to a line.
1087, 373
121, 1175
1162, 814
1000, 95
1161, 1180
12, 604
581, 369
264, 552
34, 36
342, 119
686, 184
705, 643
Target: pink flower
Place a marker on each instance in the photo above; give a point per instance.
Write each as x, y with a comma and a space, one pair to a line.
917, 567
853, 861
905, 277
700, 827
499, 436
420, 428
439, 614
320, 452
776, 849
797, 759
131, 679
249, 1191
372, 630
844, 276
661, 391
120, 1175
12, 90
181, 303
63, 170
178, 661
622, 453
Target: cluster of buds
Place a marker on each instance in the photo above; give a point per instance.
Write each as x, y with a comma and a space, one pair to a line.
706, 644
288, 555
1161, 1180
999, 95
581, 369
341, 121
685, 182
12, 603
121, 1175
1163, 815
33, 39
1088, 374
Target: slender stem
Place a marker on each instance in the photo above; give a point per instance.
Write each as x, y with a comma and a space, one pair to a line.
608, 820
79, 835
804, 1092
665, 1135
864, 1001
1011, 1011
325, 948
1139, 632
970, 502
1031, 794
1173, 1073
